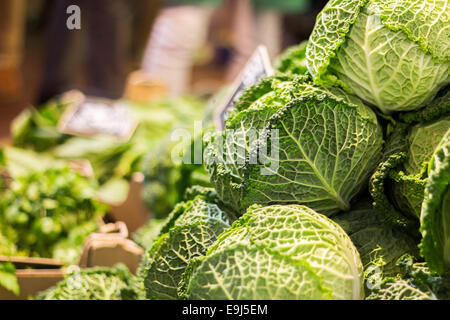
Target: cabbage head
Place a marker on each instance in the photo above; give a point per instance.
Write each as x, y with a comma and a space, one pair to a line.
435, 215
189, 231
398, 185
409, 185
377, 242
393, 54
313, 146
415, 281
98, 283
277, 252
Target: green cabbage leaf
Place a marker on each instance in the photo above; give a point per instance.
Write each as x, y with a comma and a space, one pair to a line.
392, 54
277, 252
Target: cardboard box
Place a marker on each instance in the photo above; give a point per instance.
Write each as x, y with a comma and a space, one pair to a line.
111, 246
133, 210
142, 88
34, 275
106, 248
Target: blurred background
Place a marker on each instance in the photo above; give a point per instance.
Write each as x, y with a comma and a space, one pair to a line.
179, 47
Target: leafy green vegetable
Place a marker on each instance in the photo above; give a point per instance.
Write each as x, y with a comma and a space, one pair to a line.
8, 279
93, 284
410, 183
435, 215
20, 162
146, 235
278, 252
110, 159
70, 249
190, 229
115, 190
255, 273
415, 282
293, 60
44, 211
38, 129
166, 181
398, 186
327, 146
392, 54
365, 102
374, 239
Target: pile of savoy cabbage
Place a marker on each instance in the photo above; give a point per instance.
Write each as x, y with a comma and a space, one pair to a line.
357, 205
352, 201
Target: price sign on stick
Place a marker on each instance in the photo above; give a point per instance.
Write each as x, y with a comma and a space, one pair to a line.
91, 116
257, 67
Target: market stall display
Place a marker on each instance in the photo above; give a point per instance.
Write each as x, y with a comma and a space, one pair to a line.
327, 178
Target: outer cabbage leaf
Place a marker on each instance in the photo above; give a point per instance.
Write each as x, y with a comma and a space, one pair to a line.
413, 282
293, 60
148, 234
400, 290
253, 93
422, 141
409, 184
252, 273
439, 108
93, 284
398, 185
392, 54
435, 216
407, 193
379, 191
312, 245
374, 239
332, 26
226, 153
425, 22
328, 147
191, 228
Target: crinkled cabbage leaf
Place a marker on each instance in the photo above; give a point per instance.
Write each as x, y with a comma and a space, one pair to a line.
288, 141
277, 252
191, 228
392, 54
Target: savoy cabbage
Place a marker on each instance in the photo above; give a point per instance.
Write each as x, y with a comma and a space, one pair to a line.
327, 144
188, 232
393, 54
413, 282
362, 107
398, 185
376, 241
99, 283
277, 252
435, 214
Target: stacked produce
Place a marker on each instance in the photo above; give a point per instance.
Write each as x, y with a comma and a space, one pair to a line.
278, 252
47, 209
190, 229
94, 284
338, 167
330, 181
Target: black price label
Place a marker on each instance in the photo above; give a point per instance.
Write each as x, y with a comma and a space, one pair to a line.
257, 67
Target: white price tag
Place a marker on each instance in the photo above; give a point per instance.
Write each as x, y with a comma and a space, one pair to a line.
97, 116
